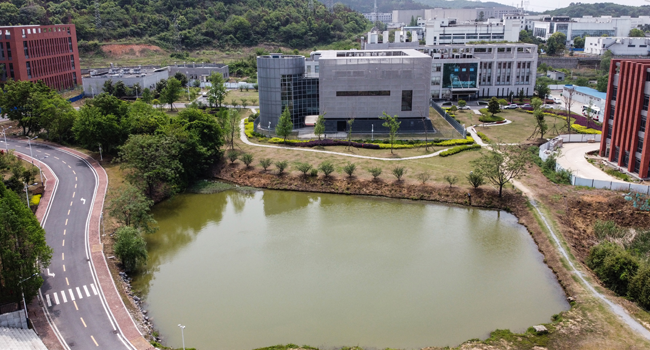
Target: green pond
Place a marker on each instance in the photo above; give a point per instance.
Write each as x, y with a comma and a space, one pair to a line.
247, 270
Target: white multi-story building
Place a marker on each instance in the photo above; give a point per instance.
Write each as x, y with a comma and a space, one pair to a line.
618, 46
482, 70
586, 26
383, 17
459, 15
444, 31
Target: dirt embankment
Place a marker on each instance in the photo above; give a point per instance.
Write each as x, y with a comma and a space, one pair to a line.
119, 50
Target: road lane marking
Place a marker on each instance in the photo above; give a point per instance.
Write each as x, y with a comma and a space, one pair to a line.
49, 303
56, 157
86, 290
68, 211
65, 300
63, 245
63, 268
73, 193
38, 151
66, 281
47, 154
74, 172
69, 167
66, 222
79, 293
75, 305
70, 203
64, 162
75, 178
82, 321
64, 232
93, 338
56, 298
75, 185
93, 288
71, 294
62, 256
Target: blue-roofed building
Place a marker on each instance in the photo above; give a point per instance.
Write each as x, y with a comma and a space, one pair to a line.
582, 95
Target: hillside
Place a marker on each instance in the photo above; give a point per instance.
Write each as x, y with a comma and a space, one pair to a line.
389, 5
601, 9
200, 23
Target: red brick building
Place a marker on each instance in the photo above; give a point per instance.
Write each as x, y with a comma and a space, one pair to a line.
626, 116
46, 53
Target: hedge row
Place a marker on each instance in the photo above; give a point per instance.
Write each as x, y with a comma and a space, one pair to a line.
483, 137
490, 119
458, 149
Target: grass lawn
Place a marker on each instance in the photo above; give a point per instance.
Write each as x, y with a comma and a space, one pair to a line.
521, 128
238, 95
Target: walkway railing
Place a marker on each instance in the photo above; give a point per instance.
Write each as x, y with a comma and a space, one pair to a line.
456, 125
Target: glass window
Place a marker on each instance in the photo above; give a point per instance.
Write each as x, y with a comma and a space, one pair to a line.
614, 92
29, 70
644, 121
407, 100
2, 51
11, 68
72, 62
9, 51
70, 44
637, 164
646, 99
639, 145
362, 93
26, 49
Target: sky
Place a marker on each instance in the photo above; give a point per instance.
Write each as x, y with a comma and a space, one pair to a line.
543, 5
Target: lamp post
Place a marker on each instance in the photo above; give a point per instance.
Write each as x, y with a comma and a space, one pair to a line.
27, 195
23, 293
269, 128
101, 158
187, 74
29, 140
182, 334
372, 131
4, 133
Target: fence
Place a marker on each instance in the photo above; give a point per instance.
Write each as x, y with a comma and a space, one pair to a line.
581, 138
456, 125
76, 98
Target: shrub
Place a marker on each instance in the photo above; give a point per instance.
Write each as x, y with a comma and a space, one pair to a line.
639, 288
314, 172
281, 165
265, 163
35, 200
451, 180
584, 130
304, 168
349, 169
607, 229
399, 172
456, 142
375, 172
490, 119
458, 149
475, 179
247, 158
613, 265
232, 155
483, 137
130, 247
423, 177
326, 167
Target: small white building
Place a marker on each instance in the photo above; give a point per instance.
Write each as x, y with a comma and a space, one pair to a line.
446, 31
619, 46
556, 75
583, 96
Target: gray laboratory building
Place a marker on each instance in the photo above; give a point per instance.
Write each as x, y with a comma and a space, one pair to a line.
344, 85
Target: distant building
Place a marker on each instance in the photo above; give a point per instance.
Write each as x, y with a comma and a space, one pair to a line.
386, 17
459, 15
40, 53
446, 31
200, 71
586, 26
583, 96
93, 84
623, 46
624, 142
343, 85
556, 75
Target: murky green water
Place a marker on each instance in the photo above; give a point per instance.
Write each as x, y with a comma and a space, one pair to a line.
243, 271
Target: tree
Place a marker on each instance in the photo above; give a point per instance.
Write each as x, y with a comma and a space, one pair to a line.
108, 87
502, 163
423, 177
231, 126
581, 81
542, 90
526, 37
319, 128
556, 43
57, 116
130, 247
601, 85
462, 103
285, 125
567, 97
247, 158
24, 252
579, 42
451, 180
375, 172
132, 208
399, 172
393, 125
350, 122
494, 106
217, 93
232, 155
92, 128
304, 168
326, 167
636, 33
147, 97
171, 93
605, 61
151, 162
244, 103
281, 165
120, 89
475, 179
349, 169
538, 113
22, 100
182, 78
265, 163
521, 95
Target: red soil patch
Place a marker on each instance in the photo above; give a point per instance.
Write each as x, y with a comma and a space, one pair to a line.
133, 50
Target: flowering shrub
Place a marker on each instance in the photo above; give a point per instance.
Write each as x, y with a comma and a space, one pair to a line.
458, 149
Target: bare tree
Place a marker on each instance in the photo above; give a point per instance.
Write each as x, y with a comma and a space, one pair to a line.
426, 131
567, 97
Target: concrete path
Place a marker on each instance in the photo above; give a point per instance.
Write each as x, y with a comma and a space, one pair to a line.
572, 158
242, 135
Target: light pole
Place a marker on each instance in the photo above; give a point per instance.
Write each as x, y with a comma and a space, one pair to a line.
136, 92
187, 74
23, 293
4, 133
182, 334
101, 158
269, 128
27, 195
372, 130
29, 140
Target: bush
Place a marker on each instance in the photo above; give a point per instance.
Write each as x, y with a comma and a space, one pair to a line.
375, 172
490, 119
475, 179
304, 168
265, 163
639, 288
607, 229
458, 149
484, 111
398, 172
326, 167
451, 180
314, 172
281, 165
130, 247
456, 142
613, 265
232, 155
423, 177
35, 200
349, 169
483, 137
584, 130
247, 158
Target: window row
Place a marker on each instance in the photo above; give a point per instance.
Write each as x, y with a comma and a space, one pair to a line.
362, 93
49, 66
47, 47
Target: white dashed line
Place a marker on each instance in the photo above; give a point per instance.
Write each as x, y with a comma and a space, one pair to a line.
56, 298
65, 300
71, 294
93, 288
86, 290
49, 303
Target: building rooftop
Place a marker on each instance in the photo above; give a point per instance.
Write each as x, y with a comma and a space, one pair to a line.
589, 91
336, 54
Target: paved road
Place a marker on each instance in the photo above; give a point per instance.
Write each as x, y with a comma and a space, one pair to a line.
572, 157
72, 296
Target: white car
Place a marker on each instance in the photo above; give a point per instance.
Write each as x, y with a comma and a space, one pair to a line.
463, 107
548, 106
511, 106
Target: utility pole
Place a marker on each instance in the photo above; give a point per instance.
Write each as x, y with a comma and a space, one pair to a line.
98, 19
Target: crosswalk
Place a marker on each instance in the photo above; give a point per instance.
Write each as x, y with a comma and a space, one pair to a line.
70, 293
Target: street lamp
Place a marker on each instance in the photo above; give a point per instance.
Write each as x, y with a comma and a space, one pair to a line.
23, 293
372, 130
101, 158
182, 334
187, 74
4, 133
29, 140
27, 196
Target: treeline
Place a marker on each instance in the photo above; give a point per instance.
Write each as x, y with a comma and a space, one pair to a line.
578, 9
194, 23
620, 261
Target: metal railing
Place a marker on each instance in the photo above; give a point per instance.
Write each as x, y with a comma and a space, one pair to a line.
455, 124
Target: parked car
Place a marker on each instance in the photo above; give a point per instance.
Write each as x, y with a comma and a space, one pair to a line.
557, 100
511, 106
547, 106
525, 105
446, 103
464, 107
